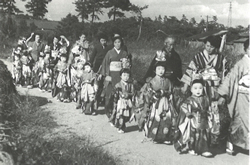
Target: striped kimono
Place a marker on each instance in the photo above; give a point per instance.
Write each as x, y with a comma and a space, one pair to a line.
198, 67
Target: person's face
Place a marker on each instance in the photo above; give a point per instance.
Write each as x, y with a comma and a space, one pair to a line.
83, 37
169, 44
125, 77
117, 44
197, 89
37, 38
63, 59
47, 55
209, 48
87, 68
80, 65
103, 42
55, 40
159, 71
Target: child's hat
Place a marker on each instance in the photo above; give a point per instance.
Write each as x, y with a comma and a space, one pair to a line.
200, 81
160, 63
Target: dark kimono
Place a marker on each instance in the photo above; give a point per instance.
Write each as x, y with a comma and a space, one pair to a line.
195, 130
97, 56
111, 66
162, 115
123, 94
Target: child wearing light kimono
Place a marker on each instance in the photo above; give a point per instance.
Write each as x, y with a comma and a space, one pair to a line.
76, 84
123, 93
26, 71
89, 89
17, 68
46, 83
61, 81
38, 71
194, 122
162, 115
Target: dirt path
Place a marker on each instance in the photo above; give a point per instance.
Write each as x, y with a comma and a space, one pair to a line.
128, 147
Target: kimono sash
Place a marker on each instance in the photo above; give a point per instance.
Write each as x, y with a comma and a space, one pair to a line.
88, 92
115, 66
123, 107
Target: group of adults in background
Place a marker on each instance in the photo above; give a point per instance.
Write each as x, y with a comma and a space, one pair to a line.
194, 111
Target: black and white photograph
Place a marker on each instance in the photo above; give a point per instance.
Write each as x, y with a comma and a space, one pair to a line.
124, 82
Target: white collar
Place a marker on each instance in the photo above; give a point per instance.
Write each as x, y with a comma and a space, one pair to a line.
118, 51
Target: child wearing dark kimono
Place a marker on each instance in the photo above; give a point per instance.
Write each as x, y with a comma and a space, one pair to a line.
110, 69
162, 115
193, 122
61, 80
123, 93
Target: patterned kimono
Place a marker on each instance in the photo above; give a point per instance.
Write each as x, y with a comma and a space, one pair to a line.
88, 91
123, 104
195, 130
17, 71
61, 80
48, 74
38, 71
210, 67
162, 117
26, 71
235, 87
111, 66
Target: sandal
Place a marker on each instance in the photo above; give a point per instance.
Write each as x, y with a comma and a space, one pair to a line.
207, 154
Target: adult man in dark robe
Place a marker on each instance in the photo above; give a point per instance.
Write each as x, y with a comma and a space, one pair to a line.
99, 52
171, 59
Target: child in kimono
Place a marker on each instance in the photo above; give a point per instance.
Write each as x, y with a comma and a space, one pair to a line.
17, 68
123, 93
193, 122
89, 89
48, 72
61, 80
162, 115
38, 71
26, 71
76, 84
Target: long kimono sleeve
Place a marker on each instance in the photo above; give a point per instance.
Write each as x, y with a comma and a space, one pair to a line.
187, 76
150, 71
105, 65
229, 86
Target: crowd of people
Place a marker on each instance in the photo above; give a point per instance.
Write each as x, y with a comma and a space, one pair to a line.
171, 108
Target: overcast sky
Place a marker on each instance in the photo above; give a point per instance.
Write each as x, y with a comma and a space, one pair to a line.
58, 9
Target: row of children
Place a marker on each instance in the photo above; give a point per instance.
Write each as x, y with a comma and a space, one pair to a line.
51, 72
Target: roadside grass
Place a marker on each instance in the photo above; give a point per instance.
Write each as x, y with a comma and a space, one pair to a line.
26, 124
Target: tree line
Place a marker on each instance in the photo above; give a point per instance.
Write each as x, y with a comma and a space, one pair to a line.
136, 27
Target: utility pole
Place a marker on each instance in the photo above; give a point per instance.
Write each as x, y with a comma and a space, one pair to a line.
229, 21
